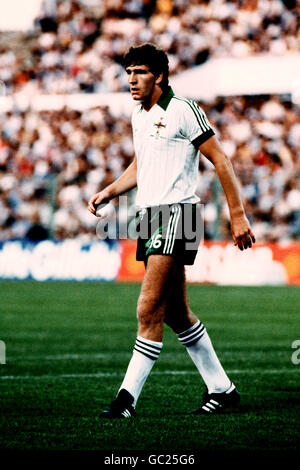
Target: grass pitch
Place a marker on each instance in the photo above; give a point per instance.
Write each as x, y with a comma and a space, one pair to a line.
68, 346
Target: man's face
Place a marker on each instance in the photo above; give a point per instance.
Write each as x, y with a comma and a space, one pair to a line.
141, 81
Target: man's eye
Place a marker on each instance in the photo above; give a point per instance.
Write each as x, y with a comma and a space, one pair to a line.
137, 72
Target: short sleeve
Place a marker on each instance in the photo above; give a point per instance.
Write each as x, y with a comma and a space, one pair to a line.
195, 125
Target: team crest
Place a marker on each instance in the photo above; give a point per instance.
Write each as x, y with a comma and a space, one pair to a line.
159, 125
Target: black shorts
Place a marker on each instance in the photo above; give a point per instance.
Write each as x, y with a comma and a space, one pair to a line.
174, 229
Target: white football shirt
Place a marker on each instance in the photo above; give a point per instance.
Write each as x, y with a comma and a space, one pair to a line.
166, 140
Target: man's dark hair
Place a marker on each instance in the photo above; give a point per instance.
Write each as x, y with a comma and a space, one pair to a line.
151, 55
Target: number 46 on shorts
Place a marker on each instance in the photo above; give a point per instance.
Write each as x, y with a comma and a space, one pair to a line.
156, 241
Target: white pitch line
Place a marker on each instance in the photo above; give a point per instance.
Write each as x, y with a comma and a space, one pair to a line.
60, 357
87, 356
166, 372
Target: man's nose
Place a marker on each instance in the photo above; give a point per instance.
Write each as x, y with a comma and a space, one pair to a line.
132, 78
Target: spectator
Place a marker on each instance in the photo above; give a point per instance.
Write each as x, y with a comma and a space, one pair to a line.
36, 232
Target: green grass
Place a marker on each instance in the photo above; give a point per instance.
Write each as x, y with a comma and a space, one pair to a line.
68, 346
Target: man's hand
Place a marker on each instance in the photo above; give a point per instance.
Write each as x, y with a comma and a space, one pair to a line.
242, 234
124, 183
99, 198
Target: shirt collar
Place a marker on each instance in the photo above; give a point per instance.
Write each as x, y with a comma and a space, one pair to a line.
165, 98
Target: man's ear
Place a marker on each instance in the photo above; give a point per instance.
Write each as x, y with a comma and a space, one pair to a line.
159, 78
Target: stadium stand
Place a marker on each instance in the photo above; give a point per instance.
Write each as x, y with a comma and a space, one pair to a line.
78, 46
63, 156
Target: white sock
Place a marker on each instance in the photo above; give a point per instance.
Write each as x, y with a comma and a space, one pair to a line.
200, 349
143, 358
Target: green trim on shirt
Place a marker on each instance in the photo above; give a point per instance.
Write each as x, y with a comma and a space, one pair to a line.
165, 98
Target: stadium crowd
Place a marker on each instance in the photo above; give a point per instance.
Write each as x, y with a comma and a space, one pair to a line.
51, 162
78, 45
63, 157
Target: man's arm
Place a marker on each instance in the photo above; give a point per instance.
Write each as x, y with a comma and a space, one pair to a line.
124, 183
241, 232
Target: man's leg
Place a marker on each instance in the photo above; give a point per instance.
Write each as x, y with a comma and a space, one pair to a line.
150, 313
193, 335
